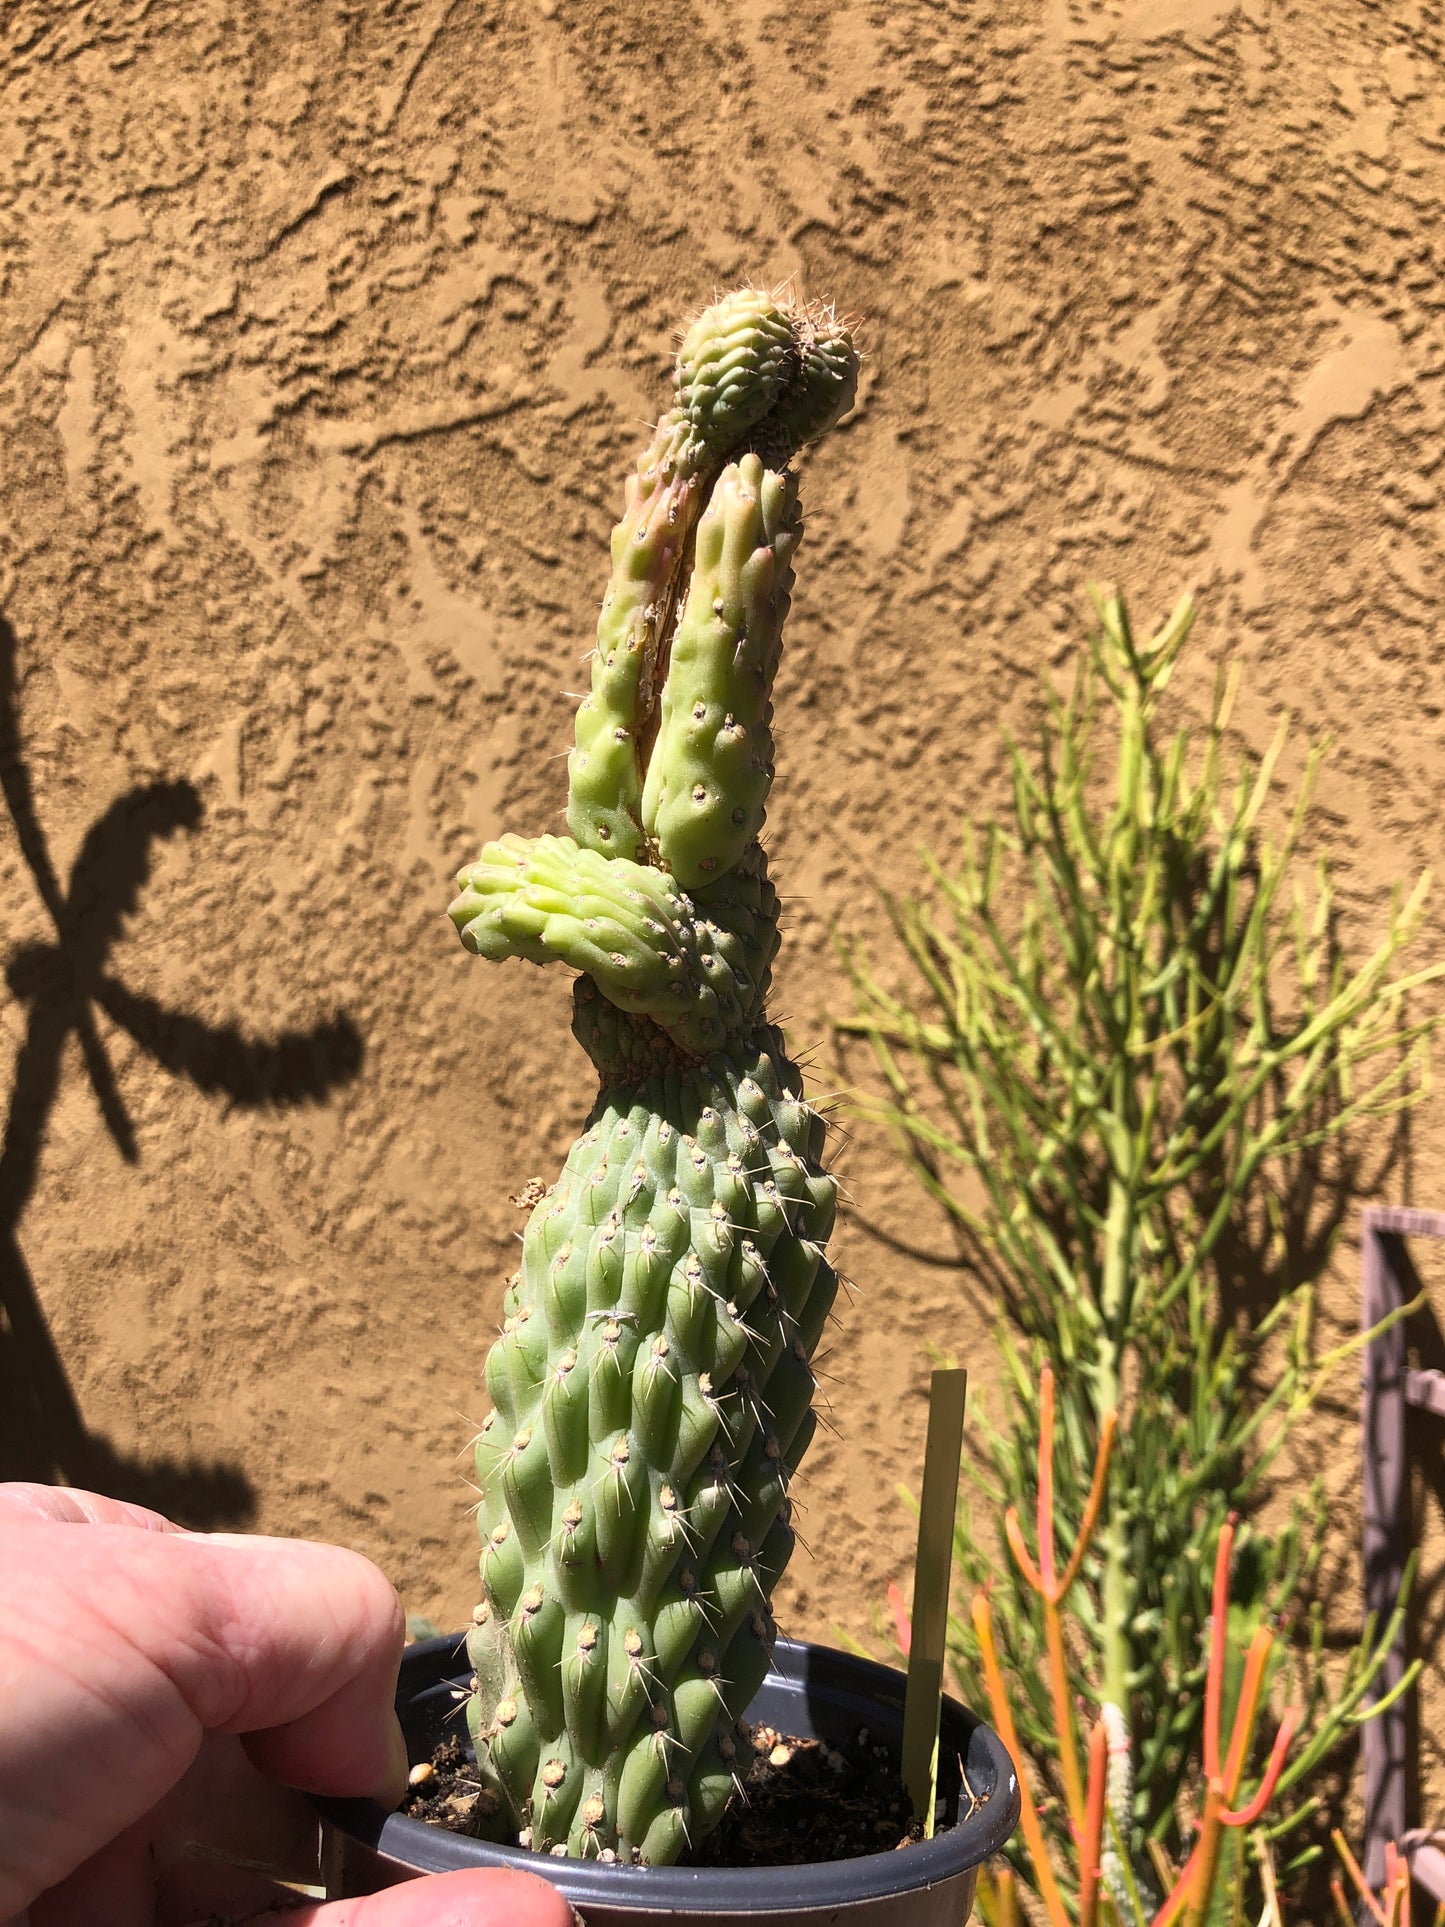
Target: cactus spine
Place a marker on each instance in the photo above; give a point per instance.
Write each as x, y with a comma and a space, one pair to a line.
652, 1386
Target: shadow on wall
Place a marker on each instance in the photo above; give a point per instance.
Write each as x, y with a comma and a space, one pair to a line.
43, 1434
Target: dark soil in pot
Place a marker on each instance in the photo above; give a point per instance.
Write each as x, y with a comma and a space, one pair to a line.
803, 1800
817, 1702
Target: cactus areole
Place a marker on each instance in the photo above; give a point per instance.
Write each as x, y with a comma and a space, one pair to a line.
652, 1387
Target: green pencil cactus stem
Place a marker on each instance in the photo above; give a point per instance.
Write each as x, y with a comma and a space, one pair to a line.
1107, 1888
652, 1387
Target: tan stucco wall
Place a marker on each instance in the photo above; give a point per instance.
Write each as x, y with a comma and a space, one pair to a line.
327, 334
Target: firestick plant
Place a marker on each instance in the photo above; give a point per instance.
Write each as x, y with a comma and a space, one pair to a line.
1131, 1058
1106, 1881
652, 1386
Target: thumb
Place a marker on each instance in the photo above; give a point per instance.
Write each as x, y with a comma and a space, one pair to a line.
485, 1897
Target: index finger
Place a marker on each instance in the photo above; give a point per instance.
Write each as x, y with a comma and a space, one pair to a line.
120, 1648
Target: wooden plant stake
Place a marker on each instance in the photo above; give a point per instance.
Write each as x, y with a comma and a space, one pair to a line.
932, 1578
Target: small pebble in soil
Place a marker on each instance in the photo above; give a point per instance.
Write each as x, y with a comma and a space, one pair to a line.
805, 1801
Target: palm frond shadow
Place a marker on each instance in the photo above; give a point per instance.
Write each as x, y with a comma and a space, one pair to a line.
62, 983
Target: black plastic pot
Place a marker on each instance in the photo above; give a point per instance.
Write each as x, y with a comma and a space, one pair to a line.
812, 1692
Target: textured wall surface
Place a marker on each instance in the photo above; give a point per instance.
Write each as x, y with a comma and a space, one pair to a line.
327, 333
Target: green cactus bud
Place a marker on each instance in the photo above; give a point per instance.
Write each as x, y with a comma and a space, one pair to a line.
526, 1480
652, 1383
513, 1751
716, 1778
826, 383
627, 925
556, 1791
754, 371
713, 762
736, 361
584, 1686
649, 544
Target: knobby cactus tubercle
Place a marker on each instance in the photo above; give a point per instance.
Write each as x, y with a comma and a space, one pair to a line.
652, 1387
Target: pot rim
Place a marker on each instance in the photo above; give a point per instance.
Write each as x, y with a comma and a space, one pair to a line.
845, 1677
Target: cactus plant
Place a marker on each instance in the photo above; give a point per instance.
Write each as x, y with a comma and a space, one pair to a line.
652, 1386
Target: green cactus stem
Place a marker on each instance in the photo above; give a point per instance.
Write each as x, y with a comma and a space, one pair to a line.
652, 1387
753, 371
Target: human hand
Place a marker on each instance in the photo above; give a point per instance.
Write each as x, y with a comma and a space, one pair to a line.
161, 1695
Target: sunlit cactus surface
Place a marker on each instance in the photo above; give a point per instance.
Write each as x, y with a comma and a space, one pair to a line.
652, 1387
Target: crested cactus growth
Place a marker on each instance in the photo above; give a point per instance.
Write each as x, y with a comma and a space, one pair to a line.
652, 1388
